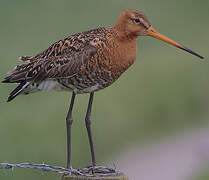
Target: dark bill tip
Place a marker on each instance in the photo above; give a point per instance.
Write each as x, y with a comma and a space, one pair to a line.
190, 51
154, 33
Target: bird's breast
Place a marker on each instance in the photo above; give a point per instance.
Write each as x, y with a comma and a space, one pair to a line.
105, 67
123, 56
111, 60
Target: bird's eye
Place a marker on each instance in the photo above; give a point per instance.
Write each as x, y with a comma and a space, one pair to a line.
137, 21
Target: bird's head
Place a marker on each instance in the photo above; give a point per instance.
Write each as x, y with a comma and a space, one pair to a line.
132, 23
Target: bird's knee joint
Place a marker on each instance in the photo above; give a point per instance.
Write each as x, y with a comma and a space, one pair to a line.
88, 121
69, 121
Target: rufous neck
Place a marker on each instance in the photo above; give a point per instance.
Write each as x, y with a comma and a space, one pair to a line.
122, 33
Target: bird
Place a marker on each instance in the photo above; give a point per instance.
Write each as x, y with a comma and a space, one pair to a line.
85, 62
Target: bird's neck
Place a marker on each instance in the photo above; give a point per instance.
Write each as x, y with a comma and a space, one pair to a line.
123, 34
128, 51
125, 50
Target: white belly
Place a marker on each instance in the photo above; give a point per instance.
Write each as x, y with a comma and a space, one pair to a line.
47, 85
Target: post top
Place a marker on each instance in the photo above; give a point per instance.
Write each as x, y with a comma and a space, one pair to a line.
112, 177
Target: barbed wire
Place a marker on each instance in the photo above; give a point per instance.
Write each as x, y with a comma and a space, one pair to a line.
99, 171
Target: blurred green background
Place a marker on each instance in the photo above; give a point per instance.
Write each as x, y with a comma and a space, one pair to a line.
164, 92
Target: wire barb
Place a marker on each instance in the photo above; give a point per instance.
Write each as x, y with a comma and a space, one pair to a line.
99, 171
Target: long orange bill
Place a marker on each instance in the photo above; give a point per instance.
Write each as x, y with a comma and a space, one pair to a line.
154, 33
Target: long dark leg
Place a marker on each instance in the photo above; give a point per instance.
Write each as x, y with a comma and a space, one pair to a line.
69, 122
88, 127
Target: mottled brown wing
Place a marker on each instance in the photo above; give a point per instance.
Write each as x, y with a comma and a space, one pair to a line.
52, 67
61, 66
71, 44
62, 59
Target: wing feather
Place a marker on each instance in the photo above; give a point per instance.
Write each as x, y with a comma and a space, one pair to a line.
62, 59
53, 67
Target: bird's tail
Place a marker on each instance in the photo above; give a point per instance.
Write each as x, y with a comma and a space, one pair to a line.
21, 86
18, 75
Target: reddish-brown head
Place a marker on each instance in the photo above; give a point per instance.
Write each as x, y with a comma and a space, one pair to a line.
132, 23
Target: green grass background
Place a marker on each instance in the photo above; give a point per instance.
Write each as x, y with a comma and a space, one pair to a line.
165, 91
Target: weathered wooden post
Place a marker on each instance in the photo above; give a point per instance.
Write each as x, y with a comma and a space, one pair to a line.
95, 173
112, 177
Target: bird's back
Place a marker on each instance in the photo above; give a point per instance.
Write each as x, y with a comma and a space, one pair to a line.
81, 62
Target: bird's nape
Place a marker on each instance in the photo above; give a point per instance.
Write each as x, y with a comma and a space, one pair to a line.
154, 33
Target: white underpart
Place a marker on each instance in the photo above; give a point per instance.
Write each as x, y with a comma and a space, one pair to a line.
50, 85
47, 85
